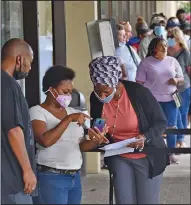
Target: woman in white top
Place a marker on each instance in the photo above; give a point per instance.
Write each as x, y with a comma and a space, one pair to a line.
60, 139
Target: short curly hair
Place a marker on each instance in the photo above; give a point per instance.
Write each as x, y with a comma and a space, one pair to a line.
55, 74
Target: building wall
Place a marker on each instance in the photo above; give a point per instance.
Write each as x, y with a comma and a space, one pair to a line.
77, 13
130, 10
140, 8
167, 7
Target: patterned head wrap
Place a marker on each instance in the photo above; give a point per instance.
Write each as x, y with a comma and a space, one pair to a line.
105, 70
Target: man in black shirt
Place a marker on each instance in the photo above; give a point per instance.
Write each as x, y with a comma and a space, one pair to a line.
17, 141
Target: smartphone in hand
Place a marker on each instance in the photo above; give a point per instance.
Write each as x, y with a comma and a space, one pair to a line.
99, 123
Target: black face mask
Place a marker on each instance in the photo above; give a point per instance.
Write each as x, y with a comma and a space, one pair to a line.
18, 75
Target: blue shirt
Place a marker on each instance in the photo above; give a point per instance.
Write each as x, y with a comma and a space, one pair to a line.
130, 67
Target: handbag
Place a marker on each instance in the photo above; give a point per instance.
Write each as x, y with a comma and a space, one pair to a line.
177, 98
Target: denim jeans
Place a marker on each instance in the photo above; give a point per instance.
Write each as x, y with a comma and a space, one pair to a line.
58, 188
180, 138
171, 113
185, 106
182, 121
19, 198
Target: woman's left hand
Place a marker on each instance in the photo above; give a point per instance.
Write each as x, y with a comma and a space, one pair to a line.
96, 136
139, 144
173, 81
105, 129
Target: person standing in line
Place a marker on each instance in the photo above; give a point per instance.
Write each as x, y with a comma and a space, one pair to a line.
142, 30
187, 33
181, 15
126, 52
178, 49
162, 74
173, 22
158, 23
17, 142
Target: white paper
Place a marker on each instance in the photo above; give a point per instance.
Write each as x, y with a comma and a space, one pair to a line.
119, 151
120, 144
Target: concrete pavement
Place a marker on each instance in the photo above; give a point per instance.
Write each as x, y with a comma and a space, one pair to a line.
175, 188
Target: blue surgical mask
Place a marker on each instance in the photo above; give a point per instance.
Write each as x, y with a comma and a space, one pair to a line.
108, 98
159, 31
171, 42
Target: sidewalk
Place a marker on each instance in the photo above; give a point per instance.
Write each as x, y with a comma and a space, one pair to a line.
175, 188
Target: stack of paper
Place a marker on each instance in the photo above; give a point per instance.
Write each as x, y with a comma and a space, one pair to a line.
119, 147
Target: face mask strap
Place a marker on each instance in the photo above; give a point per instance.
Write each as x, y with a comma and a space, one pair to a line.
114, 90
51, 92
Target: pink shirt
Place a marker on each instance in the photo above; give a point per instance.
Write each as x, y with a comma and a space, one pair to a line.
155, 74
126, 122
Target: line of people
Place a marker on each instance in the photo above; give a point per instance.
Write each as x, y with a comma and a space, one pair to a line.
134, 91
159, 58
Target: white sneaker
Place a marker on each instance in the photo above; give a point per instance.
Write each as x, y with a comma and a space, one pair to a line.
173, 159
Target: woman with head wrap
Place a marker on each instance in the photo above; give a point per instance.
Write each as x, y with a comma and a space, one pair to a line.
130, 110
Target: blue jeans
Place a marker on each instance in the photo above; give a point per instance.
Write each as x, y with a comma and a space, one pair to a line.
185, 106
182, 121
180, 138
58, 188
19, 198
171, 113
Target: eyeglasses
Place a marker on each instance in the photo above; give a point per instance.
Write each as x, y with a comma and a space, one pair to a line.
171, 36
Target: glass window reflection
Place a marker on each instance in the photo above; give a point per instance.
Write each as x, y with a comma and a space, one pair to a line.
45, 40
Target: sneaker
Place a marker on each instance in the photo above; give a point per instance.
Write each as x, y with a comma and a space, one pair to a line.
183, 145
173, 159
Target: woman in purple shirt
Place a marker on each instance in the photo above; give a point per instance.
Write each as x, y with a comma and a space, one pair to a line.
162, 74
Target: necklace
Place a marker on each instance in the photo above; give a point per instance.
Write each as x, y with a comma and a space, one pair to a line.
115, 118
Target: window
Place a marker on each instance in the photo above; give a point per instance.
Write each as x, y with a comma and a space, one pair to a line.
11, 20
104, 10
12, 25
45, 40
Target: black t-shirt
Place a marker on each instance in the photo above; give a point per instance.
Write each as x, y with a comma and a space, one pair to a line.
14, 112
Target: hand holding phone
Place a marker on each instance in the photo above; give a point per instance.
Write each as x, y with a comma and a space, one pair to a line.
97, 136
99, 123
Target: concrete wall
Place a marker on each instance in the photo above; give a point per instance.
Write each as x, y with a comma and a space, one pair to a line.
77, 13
167, 7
